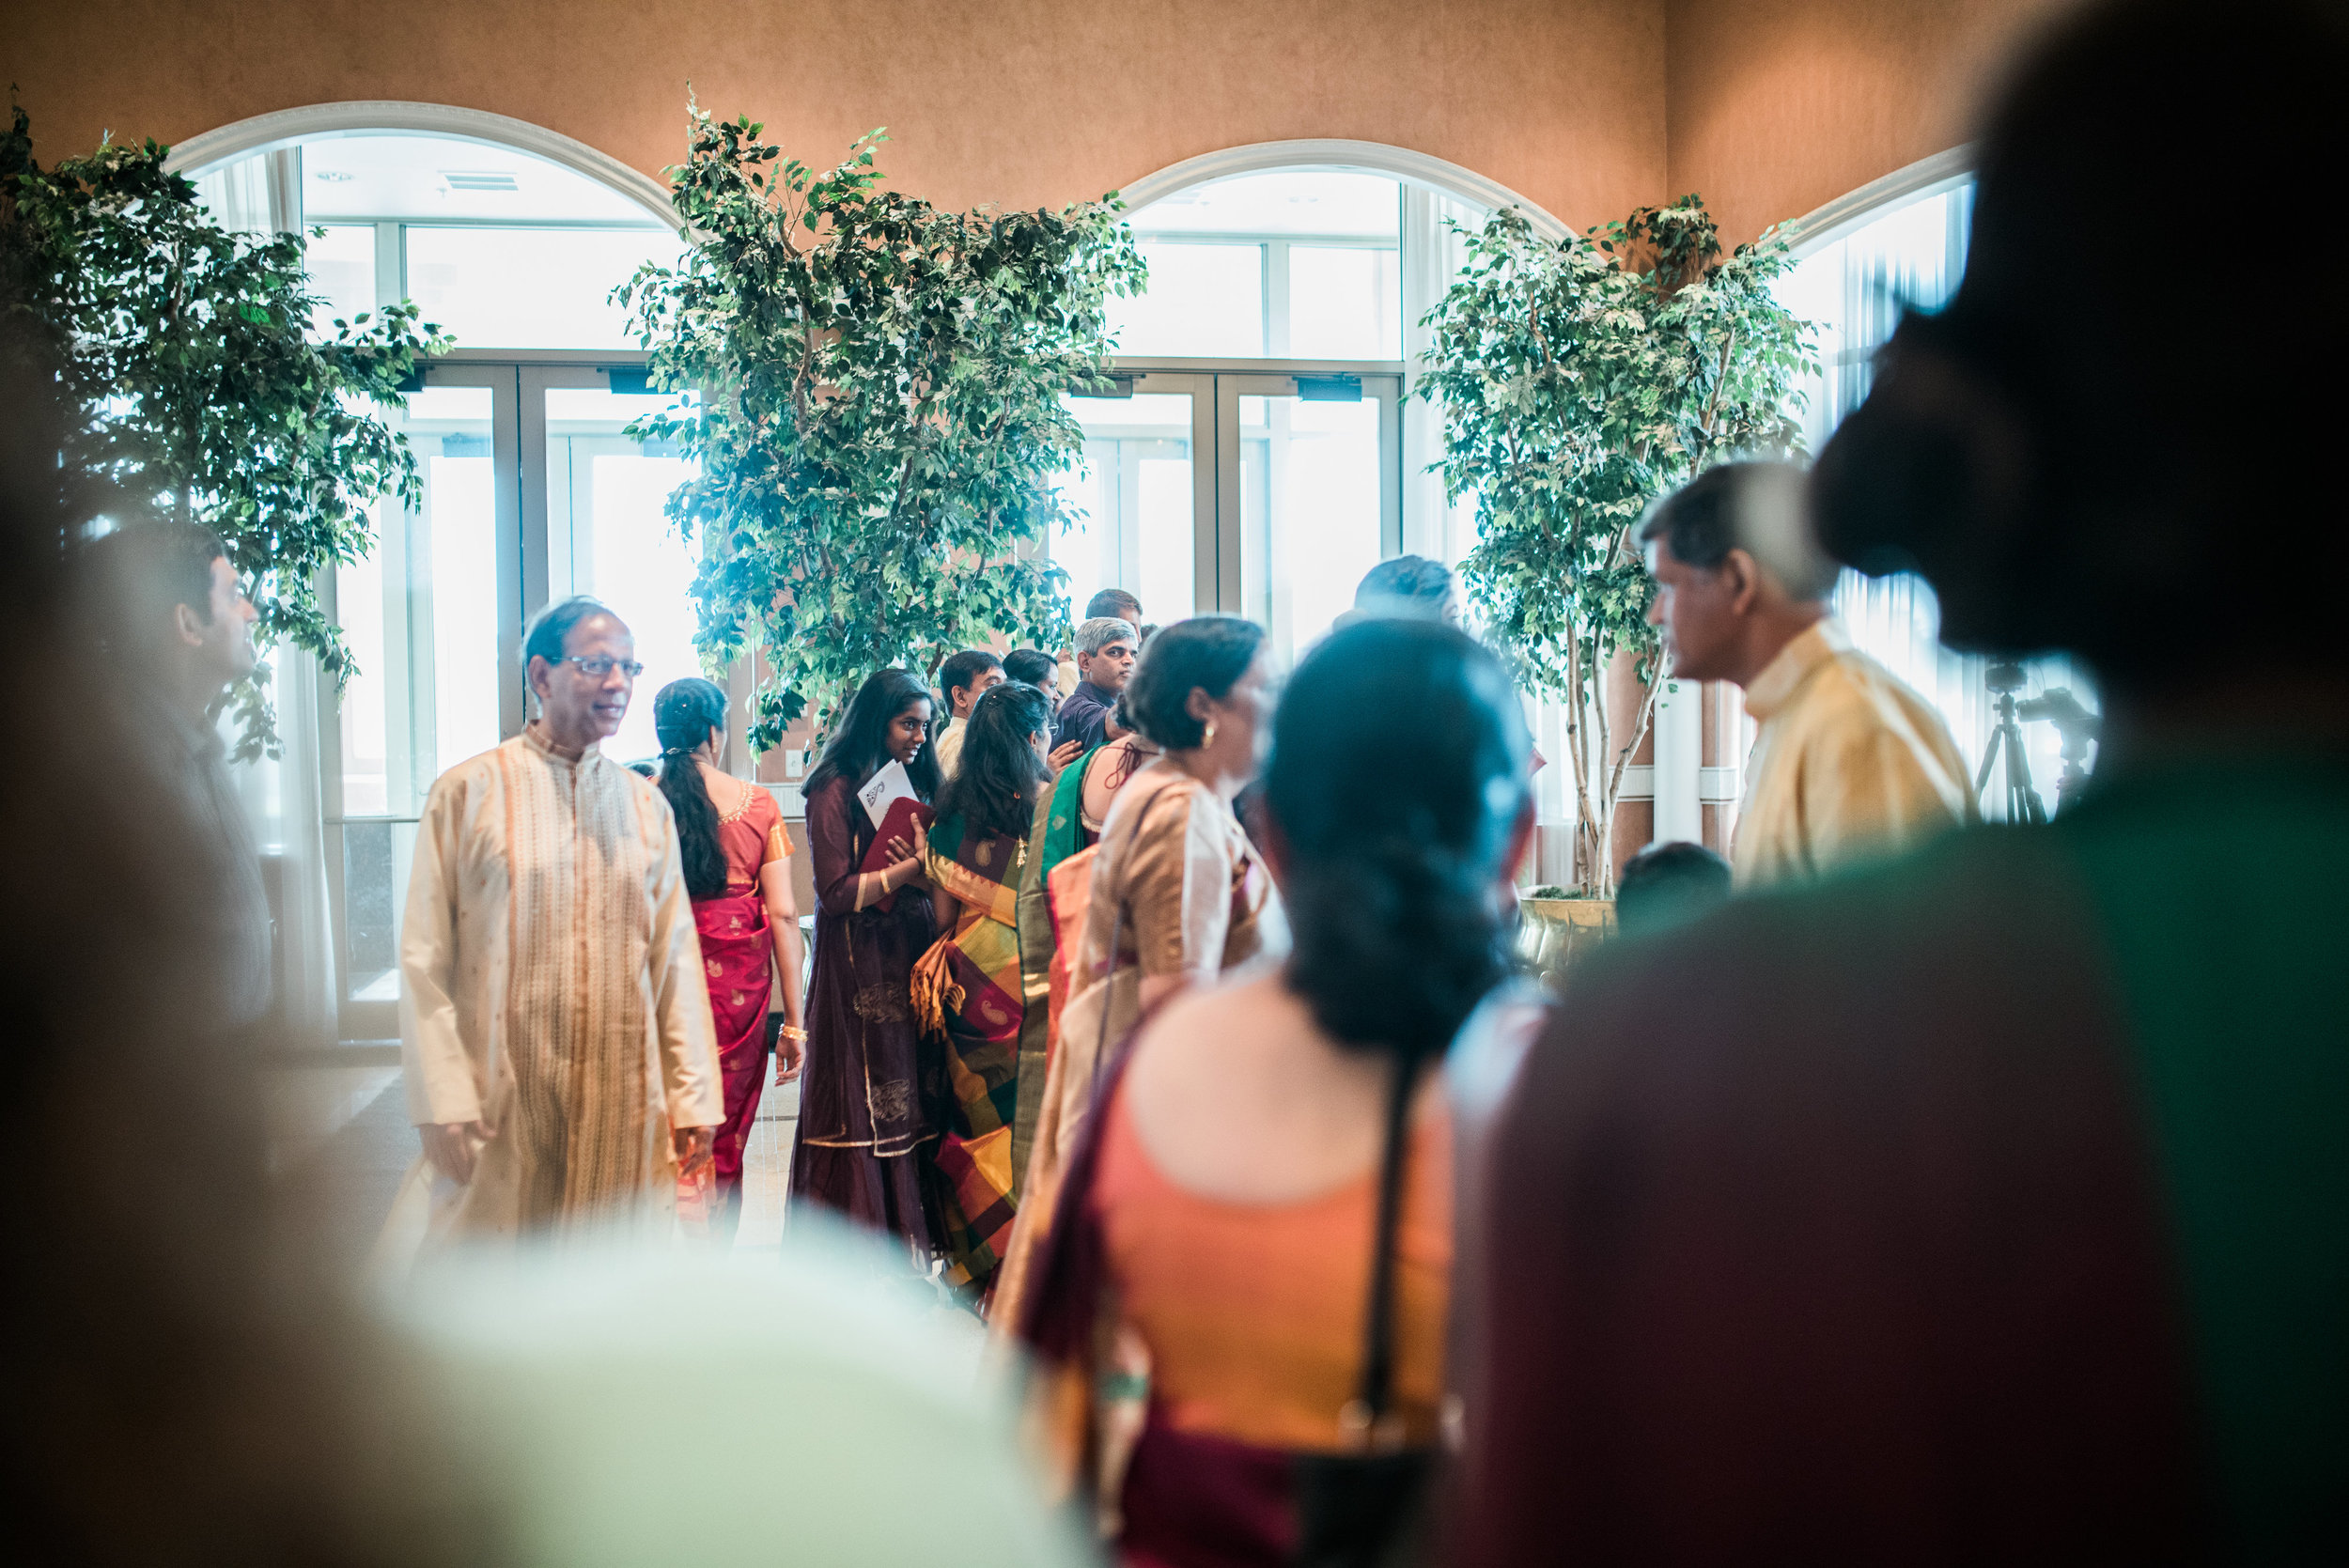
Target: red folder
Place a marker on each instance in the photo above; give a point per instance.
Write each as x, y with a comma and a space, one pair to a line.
903, 811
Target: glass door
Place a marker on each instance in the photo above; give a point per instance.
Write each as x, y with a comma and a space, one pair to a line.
1310, 497
1257, 494
1143, 522
607, 533
430, 615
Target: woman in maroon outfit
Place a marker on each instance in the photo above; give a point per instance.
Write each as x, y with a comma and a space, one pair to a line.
861, 1104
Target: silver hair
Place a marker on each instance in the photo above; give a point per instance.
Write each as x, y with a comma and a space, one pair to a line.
1761, 507
1773, 524
1100, 631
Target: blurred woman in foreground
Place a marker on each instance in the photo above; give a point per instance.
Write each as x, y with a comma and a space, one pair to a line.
1264, 1191
1993, 1205
1178, 894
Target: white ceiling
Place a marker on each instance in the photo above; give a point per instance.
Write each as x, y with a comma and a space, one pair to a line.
405, 176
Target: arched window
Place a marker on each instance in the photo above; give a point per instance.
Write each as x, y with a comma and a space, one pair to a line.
1302, 264
511, 237
1260, 453
1863, 263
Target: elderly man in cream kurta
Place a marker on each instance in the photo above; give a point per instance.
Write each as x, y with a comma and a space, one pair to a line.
555, 1020
1849, 763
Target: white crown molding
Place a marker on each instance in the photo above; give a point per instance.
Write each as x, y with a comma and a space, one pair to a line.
322, 122
1331, 153
1822, 227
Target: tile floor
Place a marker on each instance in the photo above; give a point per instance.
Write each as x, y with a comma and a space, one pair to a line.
334, 1129
309, 1105
767, 1168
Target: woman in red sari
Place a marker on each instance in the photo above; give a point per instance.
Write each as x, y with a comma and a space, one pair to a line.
738, 875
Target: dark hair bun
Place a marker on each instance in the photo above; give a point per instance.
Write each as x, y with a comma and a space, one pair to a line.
1205, 653
1398, 768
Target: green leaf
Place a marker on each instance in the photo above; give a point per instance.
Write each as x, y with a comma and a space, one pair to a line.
884, 416
1578, 382
181, 347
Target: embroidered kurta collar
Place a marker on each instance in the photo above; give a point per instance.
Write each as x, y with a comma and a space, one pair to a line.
538, 742
1796, 664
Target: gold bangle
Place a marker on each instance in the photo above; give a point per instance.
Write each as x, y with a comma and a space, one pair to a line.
791, 1032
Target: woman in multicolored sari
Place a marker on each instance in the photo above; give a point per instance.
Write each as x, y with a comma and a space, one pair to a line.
967, 990
738, 872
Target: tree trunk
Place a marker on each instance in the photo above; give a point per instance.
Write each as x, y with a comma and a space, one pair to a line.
1630, 704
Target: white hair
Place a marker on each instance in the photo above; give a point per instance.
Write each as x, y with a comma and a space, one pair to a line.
1100, 631
1772, 514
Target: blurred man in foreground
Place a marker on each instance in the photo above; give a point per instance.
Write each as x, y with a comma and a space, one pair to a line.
1849, 762
1409, 588
1993, 1205
174, 619
554, 1021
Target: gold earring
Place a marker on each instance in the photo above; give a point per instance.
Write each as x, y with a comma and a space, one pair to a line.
1209, 738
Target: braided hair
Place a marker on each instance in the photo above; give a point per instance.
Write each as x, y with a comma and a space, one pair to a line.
683, 714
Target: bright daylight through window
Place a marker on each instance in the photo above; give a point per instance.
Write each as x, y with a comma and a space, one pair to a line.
1854, 288
1253, 460
516, 257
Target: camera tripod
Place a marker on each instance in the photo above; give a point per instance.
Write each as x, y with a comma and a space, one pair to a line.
2057, 706
2022, 802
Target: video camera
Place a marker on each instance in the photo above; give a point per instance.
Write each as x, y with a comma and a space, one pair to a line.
2057, 706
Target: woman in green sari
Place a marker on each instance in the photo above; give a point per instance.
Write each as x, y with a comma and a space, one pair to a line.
967, 990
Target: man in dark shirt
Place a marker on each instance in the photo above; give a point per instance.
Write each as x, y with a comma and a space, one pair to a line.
174, 611
1105, 657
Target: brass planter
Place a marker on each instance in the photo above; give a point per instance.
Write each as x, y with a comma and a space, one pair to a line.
1553, 934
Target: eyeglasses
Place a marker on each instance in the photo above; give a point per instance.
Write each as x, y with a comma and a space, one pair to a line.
597, 666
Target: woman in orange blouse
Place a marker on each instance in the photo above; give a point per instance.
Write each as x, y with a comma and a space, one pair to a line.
737, 857
1264, 1200
1174, 893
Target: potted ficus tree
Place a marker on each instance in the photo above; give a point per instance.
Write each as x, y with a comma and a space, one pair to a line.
1579, 379
879, 411
192, 386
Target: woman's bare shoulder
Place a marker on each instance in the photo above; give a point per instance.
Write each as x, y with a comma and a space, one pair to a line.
1238, 1096
1252, 997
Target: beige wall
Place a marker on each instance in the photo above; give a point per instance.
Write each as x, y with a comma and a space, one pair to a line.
1015, 101
1767, 107
1776, 107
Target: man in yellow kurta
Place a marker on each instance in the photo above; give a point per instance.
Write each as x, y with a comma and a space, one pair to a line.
1849, 763
561, 1063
